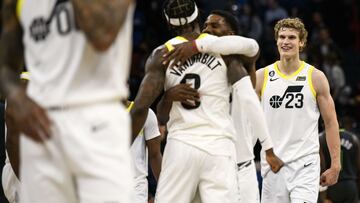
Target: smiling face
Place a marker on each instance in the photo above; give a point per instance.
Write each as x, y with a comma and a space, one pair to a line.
216, 25
288, 42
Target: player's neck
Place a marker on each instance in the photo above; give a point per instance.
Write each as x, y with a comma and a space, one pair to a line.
289, 65
191, 33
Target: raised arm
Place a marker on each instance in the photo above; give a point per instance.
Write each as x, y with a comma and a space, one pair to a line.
150, 88
327, 110
226, 45
26, 114
101, 20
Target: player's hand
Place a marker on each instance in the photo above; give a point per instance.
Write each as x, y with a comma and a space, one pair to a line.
274, 161
327, 201
182, 93
330, 176
29, 117
180, 53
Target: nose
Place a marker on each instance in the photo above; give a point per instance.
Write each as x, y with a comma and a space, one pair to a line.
286, 40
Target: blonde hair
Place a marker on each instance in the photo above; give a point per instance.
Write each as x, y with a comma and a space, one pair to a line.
294, 23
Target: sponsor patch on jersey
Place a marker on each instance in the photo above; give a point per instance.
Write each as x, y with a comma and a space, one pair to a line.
301, 78
271, 73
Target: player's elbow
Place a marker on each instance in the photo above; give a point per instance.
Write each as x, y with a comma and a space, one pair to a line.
103, 43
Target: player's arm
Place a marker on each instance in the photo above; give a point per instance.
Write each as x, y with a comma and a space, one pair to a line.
250, 66
155, 156
12, 143
225, 45
246, 102
151, 87
101, 20
28, 116
259, 81
12, 53
179, 93
153, 141
327, 110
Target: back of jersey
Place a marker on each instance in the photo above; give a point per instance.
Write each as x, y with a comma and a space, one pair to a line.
206, 125
349, 155
65, 69
291, 111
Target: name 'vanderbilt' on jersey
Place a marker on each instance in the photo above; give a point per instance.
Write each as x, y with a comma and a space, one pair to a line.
206, 125
65, 69
291, 111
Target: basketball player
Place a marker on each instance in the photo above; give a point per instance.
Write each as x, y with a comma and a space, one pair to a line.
293, 95
224, 23
200, 153
346, 190
146, 146
10, 174
75, 141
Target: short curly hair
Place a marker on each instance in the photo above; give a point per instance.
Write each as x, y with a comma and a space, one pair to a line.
295, 23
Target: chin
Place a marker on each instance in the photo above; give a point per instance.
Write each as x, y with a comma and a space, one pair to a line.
286, 54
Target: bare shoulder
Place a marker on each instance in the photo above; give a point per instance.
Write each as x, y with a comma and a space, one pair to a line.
156, 57
259, 80
319, 81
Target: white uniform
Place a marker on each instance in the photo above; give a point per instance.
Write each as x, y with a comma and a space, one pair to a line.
10, 183
246, 172
292, 115
140, 156
203, 134
88, 158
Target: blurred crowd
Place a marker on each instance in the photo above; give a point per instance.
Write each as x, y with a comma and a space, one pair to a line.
333, 43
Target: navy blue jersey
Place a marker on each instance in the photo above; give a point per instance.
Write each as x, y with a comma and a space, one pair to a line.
349, 155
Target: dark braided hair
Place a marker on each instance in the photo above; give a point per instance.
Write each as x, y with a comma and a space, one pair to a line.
229, 19
180, 9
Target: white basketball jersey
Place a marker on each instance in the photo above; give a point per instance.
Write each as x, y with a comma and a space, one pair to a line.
208, 124
291, 111
65, 69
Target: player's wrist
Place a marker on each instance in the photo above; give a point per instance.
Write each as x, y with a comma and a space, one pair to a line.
336, 166
194, 46
270, 152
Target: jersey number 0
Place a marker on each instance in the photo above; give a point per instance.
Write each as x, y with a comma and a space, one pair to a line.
195, 80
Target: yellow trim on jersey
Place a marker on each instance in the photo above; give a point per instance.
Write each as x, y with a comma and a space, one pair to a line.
266, 75
25, 75
169, 46
310, 71
276, 67
202, 35
181, 38
19, 6
130, 106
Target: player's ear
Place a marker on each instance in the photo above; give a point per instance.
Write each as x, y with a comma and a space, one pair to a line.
301, 45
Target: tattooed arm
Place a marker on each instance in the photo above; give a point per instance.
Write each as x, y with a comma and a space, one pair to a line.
101, 20
150, 88
26, 114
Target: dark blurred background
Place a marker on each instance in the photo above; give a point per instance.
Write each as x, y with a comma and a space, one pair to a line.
333, 43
